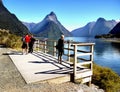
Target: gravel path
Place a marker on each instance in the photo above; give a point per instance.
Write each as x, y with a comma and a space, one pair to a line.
12, 81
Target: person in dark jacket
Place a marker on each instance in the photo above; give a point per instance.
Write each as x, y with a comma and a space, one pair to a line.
24, 46
60, 48
31, 43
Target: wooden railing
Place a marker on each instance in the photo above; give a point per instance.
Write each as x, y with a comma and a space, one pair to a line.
85, 61
73, 50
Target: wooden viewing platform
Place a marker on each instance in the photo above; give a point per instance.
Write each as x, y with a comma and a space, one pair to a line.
42, 67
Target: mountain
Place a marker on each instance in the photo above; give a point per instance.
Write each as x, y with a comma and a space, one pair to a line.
50, 27
29, 25
83, 31
116, 29
101, 26
10, 22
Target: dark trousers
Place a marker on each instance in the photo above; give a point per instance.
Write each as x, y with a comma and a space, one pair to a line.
30, 48
60, 53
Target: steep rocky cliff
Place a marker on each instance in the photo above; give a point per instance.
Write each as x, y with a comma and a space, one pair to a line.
10, 22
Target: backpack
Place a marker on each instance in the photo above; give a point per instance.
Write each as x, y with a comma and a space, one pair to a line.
56, 46
23, 39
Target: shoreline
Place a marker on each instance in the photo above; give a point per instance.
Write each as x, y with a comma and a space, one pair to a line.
116, 40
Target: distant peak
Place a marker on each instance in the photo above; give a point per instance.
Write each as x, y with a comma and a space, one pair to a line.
51, 17
52, 13
101, 19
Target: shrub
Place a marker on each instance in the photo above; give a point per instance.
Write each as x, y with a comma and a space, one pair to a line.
106, 79
10, 40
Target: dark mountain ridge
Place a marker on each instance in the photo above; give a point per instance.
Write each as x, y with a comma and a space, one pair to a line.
10, 22
116, 29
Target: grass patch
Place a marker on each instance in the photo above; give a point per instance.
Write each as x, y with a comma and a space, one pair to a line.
106, 79
10, 40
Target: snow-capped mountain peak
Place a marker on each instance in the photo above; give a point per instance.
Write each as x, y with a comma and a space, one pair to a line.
51, 17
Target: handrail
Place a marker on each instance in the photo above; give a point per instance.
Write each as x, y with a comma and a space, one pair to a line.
49, 46
76, 55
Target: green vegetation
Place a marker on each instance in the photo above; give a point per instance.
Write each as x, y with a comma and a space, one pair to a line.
106, 79
10, 40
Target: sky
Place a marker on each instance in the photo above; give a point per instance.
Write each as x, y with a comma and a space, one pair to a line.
72, 14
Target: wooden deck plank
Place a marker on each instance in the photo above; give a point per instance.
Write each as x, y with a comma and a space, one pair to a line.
40, 66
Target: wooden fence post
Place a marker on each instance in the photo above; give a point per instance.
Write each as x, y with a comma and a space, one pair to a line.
54, 49
91, 56
68, 51
75, 62
45, 48
38, 45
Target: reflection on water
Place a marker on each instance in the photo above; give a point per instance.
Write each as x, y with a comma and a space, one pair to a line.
105, 53
116, 46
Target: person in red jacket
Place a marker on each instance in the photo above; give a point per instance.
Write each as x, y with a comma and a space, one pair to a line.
27, 40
